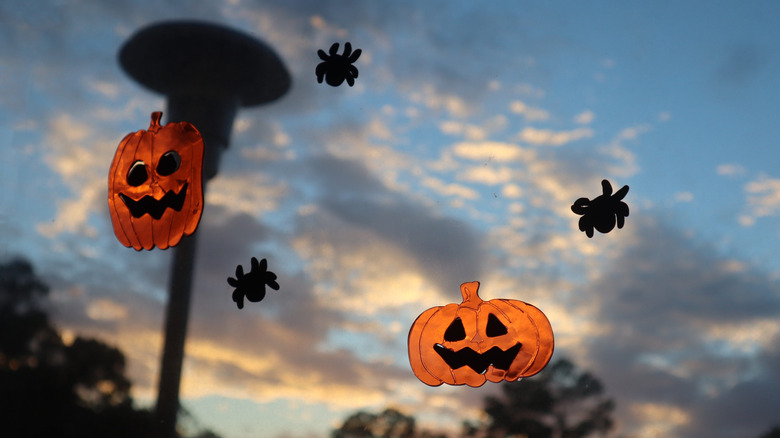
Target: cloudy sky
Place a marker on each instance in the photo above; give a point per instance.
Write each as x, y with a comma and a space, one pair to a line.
455, 157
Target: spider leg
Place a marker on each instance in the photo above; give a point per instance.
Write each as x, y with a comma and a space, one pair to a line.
586, 226
262, 267
320, 71
334, 49
622, 209
323, 56
270, 280
347, 49
355, 55
350, 80
580, 206
606, 187
233, 282
353, 71
620, 194
239, 272
621, 220
238, 297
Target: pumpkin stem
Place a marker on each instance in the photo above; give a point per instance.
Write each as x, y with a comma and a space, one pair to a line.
154, 125
469, 292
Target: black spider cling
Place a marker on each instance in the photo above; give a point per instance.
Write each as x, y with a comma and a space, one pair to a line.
336, 68
603, 212
252, 285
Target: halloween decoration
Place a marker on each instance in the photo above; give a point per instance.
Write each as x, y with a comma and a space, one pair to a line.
336, 68
154, 185
475, 341
252, 285
603, 212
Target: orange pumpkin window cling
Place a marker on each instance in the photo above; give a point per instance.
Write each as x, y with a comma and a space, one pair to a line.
155, 193
476, 341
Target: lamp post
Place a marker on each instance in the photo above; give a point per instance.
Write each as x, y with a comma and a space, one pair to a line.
207, 72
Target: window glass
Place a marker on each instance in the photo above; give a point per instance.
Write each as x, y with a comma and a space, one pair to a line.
398, 150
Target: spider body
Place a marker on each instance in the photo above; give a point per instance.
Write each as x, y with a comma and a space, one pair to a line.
252, 285
603, 212
336, 68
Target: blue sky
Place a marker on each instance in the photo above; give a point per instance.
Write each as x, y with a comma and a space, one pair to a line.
455, 157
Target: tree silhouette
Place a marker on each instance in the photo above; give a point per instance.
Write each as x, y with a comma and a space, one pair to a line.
559, 402
772, 433
53, 389
50, 388
389, 423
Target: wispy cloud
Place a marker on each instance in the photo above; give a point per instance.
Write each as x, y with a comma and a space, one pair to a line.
451, 189
763, 197
546, 137
531, 114
683, 197
585, 118
730, 169
492, 151
708, 346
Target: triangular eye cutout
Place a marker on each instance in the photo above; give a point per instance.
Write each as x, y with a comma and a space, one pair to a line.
455, 332
495, 327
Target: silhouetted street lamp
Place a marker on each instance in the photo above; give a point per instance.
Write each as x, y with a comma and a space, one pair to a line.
207, 72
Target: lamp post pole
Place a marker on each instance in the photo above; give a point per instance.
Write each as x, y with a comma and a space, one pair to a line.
207, 72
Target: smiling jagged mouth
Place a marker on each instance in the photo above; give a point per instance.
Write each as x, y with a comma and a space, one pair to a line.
153, 207
478, 362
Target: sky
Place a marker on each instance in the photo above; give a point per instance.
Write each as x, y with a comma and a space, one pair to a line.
469, 133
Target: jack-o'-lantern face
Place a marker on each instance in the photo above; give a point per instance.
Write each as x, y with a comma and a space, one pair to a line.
155, 192
477, 341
